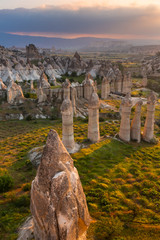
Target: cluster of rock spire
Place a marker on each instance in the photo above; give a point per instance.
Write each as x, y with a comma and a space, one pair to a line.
133, 131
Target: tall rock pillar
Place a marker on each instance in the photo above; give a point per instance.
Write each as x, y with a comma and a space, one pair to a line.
74, 98
148, 133
136, 123
67, 125
93, 118
105, 88
124, 132
66, 89
88, 87
127, 83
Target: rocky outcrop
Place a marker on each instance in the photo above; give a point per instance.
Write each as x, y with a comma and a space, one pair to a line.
26, 230
77, 56
58, 203
93, 118
42, 97
148, 133
35, 156
32, 51
43, 82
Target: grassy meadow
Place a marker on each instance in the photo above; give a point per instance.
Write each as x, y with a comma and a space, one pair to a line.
121, 181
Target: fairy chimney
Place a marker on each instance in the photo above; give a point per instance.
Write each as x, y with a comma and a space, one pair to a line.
148, 133
124, 132
73, 99
136, 123
67, 125
66, 89
105, 88
88, 87
58, 203
93, 118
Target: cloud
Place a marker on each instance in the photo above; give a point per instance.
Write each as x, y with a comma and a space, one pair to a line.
135, 21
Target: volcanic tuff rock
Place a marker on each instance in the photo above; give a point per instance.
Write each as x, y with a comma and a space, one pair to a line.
32, 51
58, 203
14, 93
43, 82
2, 85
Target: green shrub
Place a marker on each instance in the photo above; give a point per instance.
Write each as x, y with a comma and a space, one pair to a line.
29, 117
106, 228
30, 95
27, 187
6, 183
22, 201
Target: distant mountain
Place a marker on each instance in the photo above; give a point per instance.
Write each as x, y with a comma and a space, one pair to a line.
9, 40
83, 44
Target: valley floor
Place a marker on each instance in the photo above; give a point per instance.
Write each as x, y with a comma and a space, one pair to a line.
121, 181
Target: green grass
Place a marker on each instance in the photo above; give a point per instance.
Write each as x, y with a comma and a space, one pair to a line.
119, 180
154, 84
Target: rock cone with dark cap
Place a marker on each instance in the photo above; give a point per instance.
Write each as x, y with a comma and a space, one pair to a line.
58, 203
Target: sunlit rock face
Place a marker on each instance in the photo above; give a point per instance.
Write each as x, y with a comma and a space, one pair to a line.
42, 97
43, 82
148, 133
14, 93
93, 118
58, 203
2, 85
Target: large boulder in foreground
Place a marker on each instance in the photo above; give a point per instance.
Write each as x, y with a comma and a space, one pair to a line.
58, 203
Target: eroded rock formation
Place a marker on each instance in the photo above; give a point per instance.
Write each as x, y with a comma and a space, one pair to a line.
58, 203
148, 133
42, 97
105, 88
126, 105
136, 123
2, 85
88, 87
127, 83
43, 82
32, 51
67, 125
93, 118
66, 89
14, 93
74, 98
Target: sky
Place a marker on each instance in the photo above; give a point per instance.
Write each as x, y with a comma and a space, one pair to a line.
122, 19
8, 4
